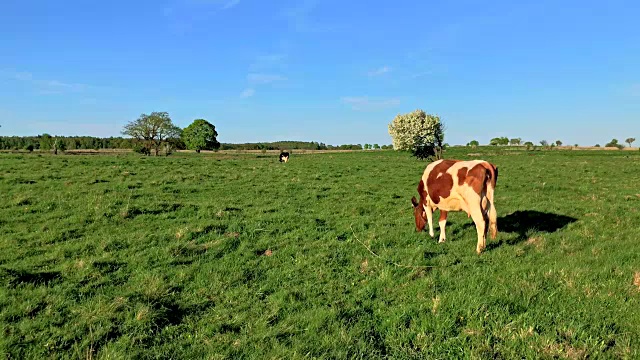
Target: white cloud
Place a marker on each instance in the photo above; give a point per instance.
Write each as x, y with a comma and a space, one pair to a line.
44, 87
363, 103
27, 127
248, 92
264, 71
62, 86
264, 78
268, 61
230, 4
184, 14
298, 18
380, 71
23, 76
421, 74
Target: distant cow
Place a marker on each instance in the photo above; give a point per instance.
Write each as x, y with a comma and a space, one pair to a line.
455, 185
284, 156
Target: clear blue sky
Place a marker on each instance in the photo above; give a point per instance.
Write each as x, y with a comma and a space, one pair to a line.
324, 70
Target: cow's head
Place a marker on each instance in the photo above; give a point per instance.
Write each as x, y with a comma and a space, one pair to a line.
419, 214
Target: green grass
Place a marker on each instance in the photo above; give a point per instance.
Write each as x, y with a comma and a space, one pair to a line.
240, 256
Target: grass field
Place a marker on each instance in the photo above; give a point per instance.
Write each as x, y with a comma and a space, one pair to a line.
240, 256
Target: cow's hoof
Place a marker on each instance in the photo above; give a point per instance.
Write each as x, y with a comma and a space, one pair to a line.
441, 241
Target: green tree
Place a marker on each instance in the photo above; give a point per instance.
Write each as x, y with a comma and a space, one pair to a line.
597, 145
473, 143
529, 145
515, 141
614, 143
152, 130
59, 145
201, 135
630, 141
499, 141
544, 143
558, 143
46, 142
376, 146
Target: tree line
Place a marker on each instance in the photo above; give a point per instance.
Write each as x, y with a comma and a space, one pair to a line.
47, 142
155, 132
504, 141
301, 145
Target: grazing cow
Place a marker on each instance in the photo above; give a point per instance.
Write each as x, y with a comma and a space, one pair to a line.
455, 185
284, 156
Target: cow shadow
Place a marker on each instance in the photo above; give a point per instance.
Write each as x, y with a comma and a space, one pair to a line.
523, 223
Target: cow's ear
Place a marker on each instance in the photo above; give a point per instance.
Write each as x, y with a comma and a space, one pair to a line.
414, 201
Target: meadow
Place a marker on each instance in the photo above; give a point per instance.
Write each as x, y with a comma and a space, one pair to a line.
239, 256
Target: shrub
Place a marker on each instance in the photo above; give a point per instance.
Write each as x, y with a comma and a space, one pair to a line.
614, 143
169, 148
141, 149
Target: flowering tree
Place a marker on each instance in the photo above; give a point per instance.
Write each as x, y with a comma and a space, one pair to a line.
418, 132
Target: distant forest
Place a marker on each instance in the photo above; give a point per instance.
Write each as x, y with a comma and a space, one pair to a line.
46, 142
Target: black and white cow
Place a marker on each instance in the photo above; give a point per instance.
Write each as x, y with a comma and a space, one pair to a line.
284, 156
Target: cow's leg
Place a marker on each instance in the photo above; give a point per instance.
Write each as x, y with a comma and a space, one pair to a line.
442, 223
429, 211
479, 219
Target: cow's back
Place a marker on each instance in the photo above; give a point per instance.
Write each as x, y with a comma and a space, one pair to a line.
450, 183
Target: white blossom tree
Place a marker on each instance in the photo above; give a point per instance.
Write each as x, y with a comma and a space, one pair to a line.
418, 132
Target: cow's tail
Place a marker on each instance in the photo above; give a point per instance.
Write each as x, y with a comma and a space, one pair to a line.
493, 214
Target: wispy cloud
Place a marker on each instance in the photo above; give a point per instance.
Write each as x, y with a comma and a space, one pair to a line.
183, 15
299, 18
62, 86
266, 70
363, 103
381, 71
44, 87
268, 61
23, 76
421, 74
248, 92
70, 128
264, 78
230, 4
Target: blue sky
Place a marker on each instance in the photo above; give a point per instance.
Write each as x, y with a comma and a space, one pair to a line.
323, 70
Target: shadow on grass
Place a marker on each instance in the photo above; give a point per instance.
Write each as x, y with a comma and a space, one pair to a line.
522, 223
14, 278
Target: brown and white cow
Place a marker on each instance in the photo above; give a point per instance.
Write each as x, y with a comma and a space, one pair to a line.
455, 185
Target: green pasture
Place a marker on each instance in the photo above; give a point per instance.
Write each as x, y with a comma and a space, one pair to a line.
240, 256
